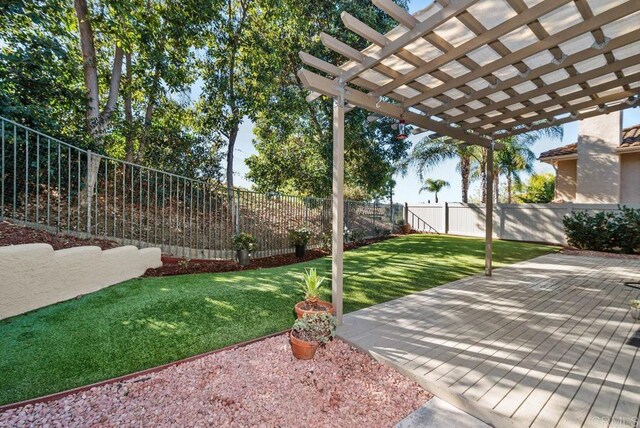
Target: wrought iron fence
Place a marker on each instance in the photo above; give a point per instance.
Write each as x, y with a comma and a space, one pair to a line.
49, 184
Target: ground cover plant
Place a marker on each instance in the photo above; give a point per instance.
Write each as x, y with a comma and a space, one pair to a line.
146, 322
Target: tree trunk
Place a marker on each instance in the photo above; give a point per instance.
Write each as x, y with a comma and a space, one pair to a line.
465, 168
90, 71
148, 114
96, 121
128, 111
496, 186
436, 195
509, 191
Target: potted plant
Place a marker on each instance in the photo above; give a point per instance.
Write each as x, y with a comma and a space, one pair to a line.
244, 244
299, 239
635, 308
311, 285
309, 332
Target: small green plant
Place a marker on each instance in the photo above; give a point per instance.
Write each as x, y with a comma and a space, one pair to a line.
244, 241
319, 328
311, 285
634, 303
299, 237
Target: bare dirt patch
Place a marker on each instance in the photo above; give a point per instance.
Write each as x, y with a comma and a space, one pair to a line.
13, 234
261, 384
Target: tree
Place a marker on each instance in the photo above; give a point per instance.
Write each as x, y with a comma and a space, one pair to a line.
236, 70
427, 153
292, 136
514, 158
434, 186
40, 83
540, 189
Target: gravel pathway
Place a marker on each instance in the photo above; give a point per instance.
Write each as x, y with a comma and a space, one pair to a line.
257, 385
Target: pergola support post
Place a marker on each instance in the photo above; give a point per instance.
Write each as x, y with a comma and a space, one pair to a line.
488, 246
337, 249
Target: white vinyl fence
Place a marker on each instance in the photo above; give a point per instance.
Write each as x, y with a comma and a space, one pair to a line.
518, 222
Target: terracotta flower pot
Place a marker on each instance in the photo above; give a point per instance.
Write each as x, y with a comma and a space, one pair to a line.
406, 228
302, 349
328, 307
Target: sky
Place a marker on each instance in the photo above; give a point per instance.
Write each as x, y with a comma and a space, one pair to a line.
407, 189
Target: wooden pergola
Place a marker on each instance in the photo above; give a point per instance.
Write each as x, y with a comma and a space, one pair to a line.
478, 71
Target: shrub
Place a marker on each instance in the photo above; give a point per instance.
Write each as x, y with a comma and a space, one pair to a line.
357, 236
625, 229
244, 241
300, 236
604, 231
319, 328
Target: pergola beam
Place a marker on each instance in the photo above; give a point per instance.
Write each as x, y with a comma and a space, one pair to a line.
329, 88
586, 54
578, 116
547, 89
418, 31
516, 22
605, 17
573, 107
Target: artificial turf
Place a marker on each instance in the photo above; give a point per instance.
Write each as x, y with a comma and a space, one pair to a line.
147, 322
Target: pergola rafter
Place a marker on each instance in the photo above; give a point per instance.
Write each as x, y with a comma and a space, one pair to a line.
480, 70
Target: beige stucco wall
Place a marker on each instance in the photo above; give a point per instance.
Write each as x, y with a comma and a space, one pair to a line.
630, 178
566, 174
598, 178
34, 275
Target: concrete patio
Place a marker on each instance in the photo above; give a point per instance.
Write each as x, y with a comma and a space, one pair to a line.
546, 342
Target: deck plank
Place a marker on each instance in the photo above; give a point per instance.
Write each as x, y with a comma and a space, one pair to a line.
541, 343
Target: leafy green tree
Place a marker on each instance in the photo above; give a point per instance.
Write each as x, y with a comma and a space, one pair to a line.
293, 136
40, 83
434, 186
540, 189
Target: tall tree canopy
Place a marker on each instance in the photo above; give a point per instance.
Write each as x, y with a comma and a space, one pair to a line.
293, 137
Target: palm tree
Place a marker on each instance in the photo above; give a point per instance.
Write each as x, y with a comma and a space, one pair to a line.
427, 153
514, 158
522, 159
434, 186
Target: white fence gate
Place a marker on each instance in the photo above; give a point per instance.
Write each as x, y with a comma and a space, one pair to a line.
517, 222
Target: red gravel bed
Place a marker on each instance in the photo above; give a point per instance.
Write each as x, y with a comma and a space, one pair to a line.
586, 253
13, 234
171, 267
261, 384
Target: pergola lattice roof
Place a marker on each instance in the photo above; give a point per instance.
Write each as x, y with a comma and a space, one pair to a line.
479, 70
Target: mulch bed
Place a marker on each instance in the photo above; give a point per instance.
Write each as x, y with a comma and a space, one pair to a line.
259, 385
170, 267
13, 234
587, 253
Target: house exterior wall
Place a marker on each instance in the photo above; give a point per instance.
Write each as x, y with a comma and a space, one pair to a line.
630, 178
566, 179
598, 172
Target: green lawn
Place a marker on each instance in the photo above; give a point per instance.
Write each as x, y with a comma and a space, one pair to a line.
147, 322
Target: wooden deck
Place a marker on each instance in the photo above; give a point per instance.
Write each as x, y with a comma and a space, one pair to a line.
542, 343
